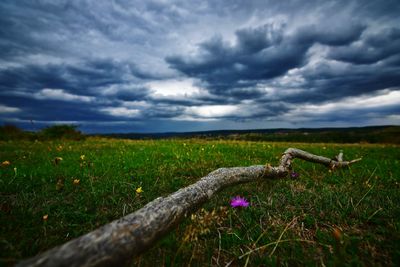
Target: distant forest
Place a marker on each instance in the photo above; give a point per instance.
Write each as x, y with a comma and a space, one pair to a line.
371, 134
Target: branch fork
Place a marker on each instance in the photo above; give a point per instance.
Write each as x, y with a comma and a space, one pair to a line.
285, 164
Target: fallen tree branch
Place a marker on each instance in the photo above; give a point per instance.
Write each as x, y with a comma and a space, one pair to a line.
118, 242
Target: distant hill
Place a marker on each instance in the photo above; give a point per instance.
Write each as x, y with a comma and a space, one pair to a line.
370, 134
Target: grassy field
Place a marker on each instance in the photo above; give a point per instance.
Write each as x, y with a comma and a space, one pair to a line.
54, 191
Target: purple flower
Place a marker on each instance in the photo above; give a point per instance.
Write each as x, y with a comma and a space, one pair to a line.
294, 175
239, 202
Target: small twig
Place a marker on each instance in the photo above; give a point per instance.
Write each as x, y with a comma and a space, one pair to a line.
372, 174
229, 263
280, 237
358, 203
219, 246
373, 214
282, 241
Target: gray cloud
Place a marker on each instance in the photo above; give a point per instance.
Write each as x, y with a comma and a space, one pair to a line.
259, 54
373, 48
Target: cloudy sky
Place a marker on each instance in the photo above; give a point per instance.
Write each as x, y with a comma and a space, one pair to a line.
156, 66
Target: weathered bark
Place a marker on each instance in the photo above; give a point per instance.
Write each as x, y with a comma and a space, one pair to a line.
116, 243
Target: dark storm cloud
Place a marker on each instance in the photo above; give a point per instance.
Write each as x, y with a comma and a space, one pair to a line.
259, 54
65, 21
328, 35
351, 82
373, 48
184, 101
81, 78
38, 110
33, 27
130, 95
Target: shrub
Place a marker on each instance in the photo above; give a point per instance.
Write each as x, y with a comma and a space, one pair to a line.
10, 131
62, 132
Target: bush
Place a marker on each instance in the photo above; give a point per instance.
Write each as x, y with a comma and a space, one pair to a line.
62, 132
9, 131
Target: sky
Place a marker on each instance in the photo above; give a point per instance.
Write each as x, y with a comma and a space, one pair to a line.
178, 66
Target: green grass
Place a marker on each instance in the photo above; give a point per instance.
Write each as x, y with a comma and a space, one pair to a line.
289, 222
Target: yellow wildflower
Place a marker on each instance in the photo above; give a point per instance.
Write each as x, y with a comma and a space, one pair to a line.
76, 181
82, 157
5, 163
60, 184
139, 190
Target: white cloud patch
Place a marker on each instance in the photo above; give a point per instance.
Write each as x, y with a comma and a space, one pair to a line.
213, 111
136, 104
358, 106
174, 87
6, 109
121, 112
387, 98
61, 95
